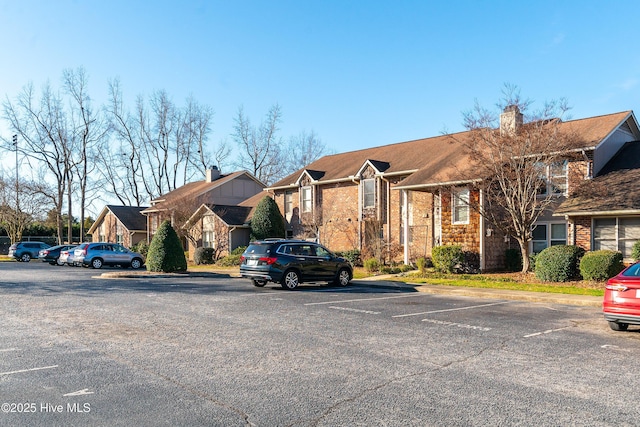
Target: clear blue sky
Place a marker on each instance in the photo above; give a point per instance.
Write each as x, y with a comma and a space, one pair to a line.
358, 73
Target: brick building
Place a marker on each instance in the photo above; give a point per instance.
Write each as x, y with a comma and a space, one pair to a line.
417, 194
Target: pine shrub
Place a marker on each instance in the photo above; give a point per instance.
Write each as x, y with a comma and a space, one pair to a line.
559, 263
635, 251
165, 251
267, 221
600, 265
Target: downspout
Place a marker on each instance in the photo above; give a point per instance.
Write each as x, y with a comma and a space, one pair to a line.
482, 231
231, 239
405, 220
357, 182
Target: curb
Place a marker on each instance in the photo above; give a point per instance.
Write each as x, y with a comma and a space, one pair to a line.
380, 282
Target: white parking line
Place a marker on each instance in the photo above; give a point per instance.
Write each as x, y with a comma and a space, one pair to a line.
355, 310
535, 334
2, 350
28, 370
367, 299
451, 309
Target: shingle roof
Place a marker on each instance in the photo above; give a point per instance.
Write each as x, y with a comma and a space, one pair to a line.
191, 191
440, 159
232, 215
130, 217
615, 189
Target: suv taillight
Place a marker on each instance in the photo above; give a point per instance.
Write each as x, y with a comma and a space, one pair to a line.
268, 260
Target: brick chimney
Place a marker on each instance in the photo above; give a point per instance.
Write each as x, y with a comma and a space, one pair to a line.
213, 173
510, 119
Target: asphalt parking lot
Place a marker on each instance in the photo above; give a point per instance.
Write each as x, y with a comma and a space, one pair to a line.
80, 349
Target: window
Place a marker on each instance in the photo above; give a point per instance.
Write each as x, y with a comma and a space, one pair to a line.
119, 233
616, 234
553, 177
368, 193
288, 204
460, 206
545, 235
208, 239
306, 199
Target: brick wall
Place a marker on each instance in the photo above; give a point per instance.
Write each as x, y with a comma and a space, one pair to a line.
580, 229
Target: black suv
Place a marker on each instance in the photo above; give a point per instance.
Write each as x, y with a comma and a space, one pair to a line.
24, 251
291, 262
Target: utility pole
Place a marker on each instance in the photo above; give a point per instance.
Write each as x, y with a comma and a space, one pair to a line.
15, 143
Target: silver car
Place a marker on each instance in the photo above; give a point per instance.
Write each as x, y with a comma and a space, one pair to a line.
98, 254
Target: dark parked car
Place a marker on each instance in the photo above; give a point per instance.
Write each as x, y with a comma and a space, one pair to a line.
24, 251
52, 254
291, 262
98, 254
621, 304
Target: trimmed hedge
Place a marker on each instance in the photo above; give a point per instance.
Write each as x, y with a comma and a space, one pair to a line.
165, 251
203, 256
559, 263
513, 260
446, 258
601, 265
635, 251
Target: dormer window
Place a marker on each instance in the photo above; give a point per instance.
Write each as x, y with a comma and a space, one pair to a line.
368, 193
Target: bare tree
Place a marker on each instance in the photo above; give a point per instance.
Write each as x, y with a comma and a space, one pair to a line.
44, 139
260, 147
160, 146
303, 149
88, 130
512, 156
17, 218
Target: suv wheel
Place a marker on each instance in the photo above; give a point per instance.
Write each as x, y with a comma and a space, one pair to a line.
25, 257
259, 283
96, 263
343, 277
618, 326
290, 280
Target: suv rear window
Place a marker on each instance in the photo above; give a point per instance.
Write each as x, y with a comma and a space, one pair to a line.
258, 249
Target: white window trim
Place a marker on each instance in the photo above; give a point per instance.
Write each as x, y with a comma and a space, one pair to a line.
464, 204
617, 230
302, 199
372, 205
548, 181
548, 240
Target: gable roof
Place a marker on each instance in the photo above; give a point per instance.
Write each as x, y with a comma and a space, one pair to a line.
194, 191
233, 216
130, 216
435, 160
615, 190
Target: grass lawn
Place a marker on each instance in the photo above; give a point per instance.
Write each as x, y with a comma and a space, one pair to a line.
512, 281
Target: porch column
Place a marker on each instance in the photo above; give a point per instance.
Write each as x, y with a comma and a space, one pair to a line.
405, 223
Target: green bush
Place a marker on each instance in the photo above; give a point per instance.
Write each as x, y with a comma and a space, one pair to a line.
371, 265
141, 247
559, 263
635, 251
231, 260
422, 264
513, 260
203, 256
600, 265
447, 258
352, 255
267, 221
165, 251
238, 251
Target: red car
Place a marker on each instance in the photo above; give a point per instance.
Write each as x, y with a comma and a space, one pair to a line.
621, 305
